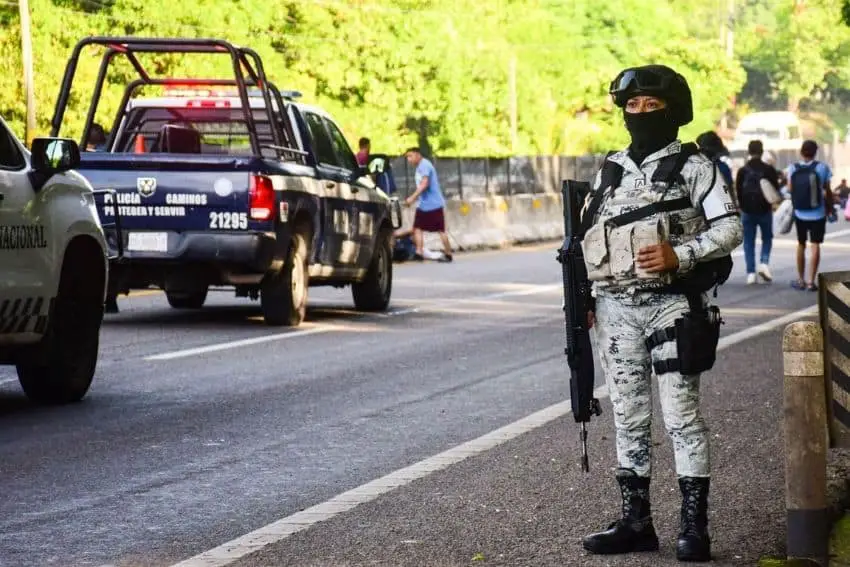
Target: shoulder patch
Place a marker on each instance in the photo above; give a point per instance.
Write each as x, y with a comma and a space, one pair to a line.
699, 159
619, 156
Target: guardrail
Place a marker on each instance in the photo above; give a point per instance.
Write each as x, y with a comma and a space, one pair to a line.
834, 311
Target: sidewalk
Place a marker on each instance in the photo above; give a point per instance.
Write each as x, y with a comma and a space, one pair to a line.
527, 503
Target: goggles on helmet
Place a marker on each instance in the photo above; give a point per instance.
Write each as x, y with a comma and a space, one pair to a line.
631, 81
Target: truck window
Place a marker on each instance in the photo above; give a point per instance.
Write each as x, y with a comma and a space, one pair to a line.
346, 157
10, 155
321, 141
222, 131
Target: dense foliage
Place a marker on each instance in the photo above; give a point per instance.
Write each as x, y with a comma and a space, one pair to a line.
439, 72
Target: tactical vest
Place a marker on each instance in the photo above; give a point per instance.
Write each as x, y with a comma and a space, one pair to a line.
622, 219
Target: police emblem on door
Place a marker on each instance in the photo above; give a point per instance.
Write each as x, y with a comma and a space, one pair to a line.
146, 186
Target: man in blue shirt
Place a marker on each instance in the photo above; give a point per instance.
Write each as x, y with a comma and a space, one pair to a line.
811, 195
429, 215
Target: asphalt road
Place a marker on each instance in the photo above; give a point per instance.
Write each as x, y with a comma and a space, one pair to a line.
203, 426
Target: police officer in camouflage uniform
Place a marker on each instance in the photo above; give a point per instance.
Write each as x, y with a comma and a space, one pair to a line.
646, 262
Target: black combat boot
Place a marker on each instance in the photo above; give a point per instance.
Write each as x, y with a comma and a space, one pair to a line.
694, 543
634, 531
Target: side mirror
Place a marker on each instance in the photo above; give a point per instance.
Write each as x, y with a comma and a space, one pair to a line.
358, 173
50, 156
54, 155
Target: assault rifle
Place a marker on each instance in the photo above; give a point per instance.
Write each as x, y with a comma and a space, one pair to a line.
577, 303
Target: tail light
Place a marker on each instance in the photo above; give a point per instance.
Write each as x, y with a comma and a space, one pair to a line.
262, 199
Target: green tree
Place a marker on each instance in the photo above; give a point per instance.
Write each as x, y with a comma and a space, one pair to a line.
400, 72
798, 44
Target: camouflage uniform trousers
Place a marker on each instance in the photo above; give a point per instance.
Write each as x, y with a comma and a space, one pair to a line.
623, 321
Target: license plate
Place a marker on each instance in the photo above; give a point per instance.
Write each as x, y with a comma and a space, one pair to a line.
148, 241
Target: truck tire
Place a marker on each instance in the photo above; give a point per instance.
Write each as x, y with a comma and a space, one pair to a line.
191, 300
283, 295
69, 349
373, 293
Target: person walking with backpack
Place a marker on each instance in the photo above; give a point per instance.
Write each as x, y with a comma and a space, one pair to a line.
756, 210
808, 183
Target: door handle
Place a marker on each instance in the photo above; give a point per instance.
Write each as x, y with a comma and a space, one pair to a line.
330, 185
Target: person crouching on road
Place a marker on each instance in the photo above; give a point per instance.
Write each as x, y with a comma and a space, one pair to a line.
640, 255
429, 215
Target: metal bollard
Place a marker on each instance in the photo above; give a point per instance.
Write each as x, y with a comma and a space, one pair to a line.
805, 443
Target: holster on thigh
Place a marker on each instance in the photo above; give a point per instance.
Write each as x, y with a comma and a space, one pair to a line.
697, 333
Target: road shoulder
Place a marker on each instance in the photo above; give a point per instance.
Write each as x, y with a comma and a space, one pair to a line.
527, 503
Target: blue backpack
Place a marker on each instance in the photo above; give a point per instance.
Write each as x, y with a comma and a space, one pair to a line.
806, 193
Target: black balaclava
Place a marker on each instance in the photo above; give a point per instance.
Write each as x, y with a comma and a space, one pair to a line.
650, 132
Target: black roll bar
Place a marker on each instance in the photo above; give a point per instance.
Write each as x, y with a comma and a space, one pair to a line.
129, 46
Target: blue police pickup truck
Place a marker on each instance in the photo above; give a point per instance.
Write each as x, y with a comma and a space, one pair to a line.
230, 182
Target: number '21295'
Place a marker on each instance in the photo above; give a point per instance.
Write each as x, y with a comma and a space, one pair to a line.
228, 221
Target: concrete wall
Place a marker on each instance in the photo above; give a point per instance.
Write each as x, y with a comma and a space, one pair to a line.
497, 221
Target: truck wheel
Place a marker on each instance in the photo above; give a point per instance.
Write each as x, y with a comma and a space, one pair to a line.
69, 349
373, 293
191, 300
283, 295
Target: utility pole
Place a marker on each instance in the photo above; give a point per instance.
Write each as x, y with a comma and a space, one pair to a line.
727, 35
26, 56
513, 104
730, 34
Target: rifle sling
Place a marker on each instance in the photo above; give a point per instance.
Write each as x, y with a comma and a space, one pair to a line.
649, 210
610, 177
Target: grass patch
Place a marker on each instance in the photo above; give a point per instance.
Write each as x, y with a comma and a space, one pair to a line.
839, 541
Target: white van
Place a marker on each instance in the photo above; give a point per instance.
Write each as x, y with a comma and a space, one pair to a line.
778, 130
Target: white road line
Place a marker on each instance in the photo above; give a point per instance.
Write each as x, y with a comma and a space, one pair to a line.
269, 534
293, 334
757, 330
780, 241
235, 344
399, 312
835, 234
531, 291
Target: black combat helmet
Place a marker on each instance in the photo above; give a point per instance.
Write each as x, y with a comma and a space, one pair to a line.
655, 80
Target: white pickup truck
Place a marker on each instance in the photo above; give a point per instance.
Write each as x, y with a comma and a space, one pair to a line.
53, 263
